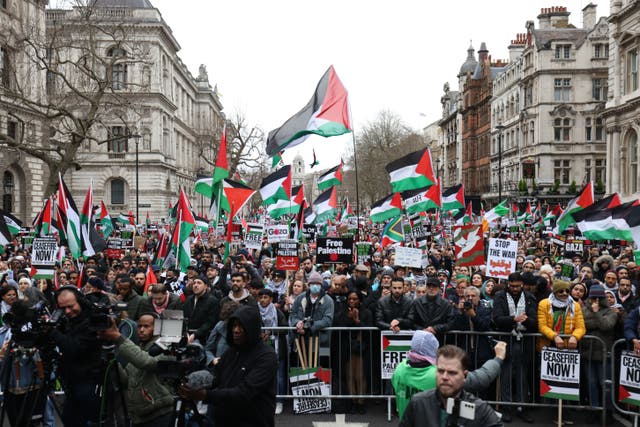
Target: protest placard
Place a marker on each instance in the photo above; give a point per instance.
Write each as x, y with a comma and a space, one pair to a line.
501, 258
394, 349
253, 236
309, 231
363, 249
560, 374
43, 257
310, 382
468, 244
573, 246
114, 248
334, 250
287, 255
277, 232
629, 390
408, 257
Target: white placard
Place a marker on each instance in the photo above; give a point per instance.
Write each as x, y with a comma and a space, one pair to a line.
408, 257
253, 236
501, 258
277, 233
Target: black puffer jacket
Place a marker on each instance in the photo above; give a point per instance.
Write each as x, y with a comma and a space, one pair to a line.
435, 312
387, 310
245, 391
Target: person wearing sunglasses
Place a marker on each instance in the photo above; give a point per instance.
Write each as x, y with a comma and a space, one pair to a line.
560, 315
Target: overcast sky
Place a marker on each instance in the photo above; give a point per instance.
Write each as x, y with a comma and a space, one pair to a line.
267, 56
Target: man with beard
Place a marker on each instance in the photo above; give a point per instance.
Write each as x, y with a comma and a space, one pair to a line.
516, 311
238, 292
244, 394
307, 265
624, 296
201, 310
432, 313
127, 295
392, 310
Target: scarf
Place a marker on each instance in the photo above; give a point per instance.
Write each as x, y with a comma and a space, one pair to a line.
269, 316
243, 296
516, 310
415, 357
162, 307
569, 311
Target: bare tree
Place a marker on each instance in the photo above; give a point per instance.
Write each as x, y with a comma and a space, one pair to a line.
68, 84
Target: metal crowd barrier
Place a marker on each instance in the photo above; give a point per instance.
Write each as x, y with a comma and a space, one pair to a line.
522, 366
616, 351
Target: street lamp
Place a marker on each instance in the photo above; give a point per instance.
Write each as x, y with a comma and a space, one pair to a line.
437, 168
499, 128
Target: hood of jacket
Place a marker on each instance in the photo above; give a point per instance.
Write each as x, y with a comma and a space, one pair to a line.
251, 321
598, 263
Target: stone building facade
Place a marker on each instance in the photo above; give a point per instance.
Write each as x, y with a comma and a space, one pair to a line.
622, 112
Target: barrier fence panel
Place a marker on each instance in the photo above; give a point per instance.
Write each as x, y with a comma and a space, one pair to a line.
346, 367
626, 388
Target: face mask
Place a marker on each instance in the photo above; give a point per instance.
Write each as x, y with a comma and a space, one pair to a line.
315, 288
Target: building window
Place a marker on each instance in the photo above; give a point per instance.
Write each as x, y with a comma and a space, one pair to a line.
601, 50
12, 129
601, 171
561, 171
119, 70
118, 139
5, 66
587, 128
7, 191
562, 89
633, 161
632, 71
528, 95
3, 4
587, 170
563, 51
117, 192
561, 129
599, 130
600, 88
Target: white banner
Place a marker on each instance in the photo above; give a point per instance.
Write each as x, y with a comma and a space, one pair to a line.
277, 233
408, 257
501, 258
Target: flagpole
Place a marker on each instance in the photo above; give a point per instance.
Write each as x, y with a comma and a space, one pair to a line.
355, 166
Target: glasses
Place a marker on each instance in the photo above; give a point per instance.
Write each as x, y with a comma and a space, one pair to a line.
562, 291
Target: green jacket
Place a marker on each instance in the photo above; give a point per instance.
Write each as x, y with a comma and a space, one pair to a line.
146, 396
408, 381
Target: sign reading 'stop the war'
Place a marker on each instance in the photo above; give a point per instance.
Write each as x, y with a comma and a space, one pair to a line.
334, 250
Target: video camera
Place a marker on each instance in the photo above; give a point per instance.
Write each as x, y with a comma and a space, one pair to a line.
101, 315
30, 325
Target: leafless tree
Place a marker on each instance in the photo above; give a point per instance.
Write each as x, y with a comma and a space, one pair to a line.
68, 84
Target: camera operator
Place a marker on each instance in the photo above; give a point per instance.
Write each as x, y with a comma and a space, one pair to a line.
245, 391
148, 400
80, 364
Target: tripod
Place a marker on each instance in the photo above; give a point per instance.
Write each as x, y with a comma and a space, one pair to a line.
113, 411
26, 384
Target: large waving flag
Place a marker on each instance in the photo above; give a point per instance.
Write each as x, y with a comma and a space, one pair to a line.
184, 226
5, 234
346, 209
331, 177
527, 215
105, 220
386, 208
411, 171
616, 223
393, 232
276, 186
92, 243
419, 200
326, 205
287, 207
233, 197
453, 198
42, 223
326, 114
69, 219
497, 212
584, 199
551, 215
13, 224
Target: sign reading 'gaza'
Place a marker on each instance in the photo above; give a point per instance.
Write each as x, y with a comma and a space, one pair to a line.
334, 250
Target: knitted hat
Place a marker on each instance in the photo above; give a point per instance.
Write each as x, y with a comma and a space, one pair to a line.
559, 284
387, 272
314, 277
97, 283
596, 291
425, 344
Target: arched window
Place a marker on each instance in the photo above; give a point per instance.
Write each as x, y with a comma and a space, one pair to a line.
117, 191
7, 191
632, 143
119, 70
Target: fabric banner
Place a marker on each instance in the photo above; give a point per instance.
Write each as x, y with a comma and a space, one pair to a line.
469, 245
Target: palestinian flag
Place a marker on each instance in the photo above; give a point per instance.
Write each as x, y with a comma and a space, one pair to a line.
386, 208
202, 224
497, 212
287, 207
162, 249
393, 232
13, 224
5, 234
416, 201
462, 216
629, 395
204, 186
396, 342
515, 210
618, 223
277, 159
69, 219
184, 226
123, 218
221, 169
559, 390
315, 161
468, 242
527, 215
330, 178
150, 279
453, 198
326, 114
234, 194
276, 186
326, 205
105, 220
551, 215
42, 223
346, 209
411, 171
92, 243
583, 200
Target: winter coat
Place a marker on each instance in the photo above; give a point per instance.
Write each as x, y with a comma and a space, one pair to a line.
134, 302
146, 305
573, 325
146, 396
202, 314
601, 324
244, 394
598, 271
435, 312
387, 310
504, 321
321, 313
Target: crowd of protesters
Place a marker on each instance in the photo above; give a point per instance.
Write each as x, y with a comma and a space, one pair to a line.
563, 297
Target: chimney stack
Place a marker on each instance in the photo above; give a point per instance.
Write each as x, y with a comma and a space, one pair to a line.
589, 16
553, 17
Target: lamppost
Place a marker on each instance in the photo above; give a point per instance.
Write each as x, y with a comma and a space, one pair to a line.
499, 128
136, 137
437, 168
